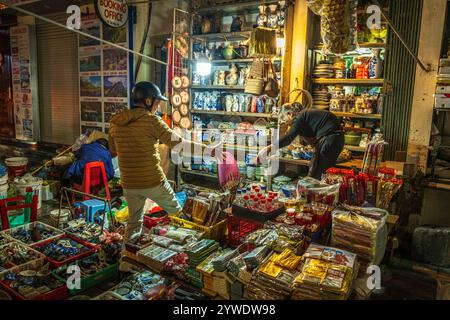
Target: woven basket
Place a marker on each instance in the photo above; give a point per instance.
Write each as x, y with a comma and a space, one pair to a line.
254, 86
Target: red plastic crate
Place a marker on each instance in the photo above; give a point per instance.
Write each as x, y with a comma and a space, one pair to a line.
60, 293
239, 228
154, 218
57, 264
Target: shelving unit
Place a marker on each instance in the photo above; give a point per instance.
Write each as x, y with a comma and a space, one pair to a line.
231, 114
358, 115
200, 87
350, 82
228, 36
218, 39
275, 60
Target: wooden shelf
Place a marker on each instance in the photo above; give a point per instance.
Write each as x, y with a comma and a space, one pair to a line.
358, 115
441, 80
199, 87
298, 162
250, 60
442, 109
350, 82
363, 45
230, 114
234, 8
227, 36
199, 173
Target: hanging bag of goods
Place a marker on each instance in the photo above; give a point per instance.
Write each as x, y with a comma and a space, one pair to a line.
263, 43
255, 80
338, 24
272, 88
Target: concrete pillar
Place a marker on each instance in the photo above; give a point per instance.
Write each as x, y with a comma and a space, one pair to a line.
433, 19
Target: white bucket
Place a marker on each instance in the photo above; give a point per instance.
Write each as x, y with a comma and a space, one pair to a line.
21, 189
64, 217
3, 191
16, 166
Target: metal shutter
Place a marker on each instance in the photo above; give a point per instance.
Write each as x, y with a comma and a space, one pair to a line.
58, 81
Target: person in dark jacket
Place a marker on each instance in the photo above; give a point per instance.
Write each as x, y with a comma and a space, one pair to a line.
320, 129
97, 150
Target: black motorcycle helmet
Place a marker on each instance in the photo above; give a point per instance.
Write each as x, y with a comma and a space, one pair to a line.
145, 90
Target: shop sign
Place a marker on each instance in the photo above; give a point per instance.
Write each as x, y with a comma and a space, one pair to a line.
114, 13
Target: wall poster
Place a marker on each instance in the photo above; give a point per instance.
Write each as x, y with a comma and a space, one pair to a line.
24, 83
104, 76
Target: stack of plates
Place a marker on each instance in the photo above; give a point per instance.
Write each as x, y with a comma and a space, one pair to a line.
324, 70
321, 97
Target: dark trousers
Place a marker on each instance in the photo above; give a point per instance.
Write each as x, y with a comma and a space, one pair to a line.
329, 149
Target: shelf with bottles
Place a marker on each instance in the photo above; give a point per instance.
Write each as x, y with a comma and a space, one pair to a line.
349, 82
234, 140
353, 102
363, 67
370, 116
226, 103
238, 60
233, 114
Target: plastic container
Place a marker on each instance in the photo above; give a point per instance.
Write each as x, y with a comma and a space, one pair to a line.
4, 191
352, 140
56, 294
32, 226
57, 264
3, 179
256, 216
16, 166
92, 280
36, 258
35, 185
155, 218
215, 232
239, 228
46, 193
63, 217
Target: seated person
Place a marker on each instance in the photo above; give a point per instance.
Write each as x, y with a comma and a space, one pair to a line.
97, 150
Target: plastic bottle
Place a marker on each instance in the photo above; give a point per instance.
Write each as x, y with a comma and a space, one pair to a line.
246, 201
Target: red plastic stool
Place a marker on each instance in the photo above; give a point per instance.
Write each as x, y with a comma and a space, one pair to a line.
5, 208
94, 179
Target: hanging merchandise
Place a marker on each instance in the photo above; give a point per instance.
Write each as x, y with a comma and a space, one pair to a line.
338, 24
263, 43
255, 80
272, 88
374, 155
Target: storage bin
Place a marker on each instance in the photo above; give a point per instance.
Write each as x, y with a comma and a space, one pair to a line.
215, 232
57, 264
247, 214
33, 226
239, 228
59, 293
92, 280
